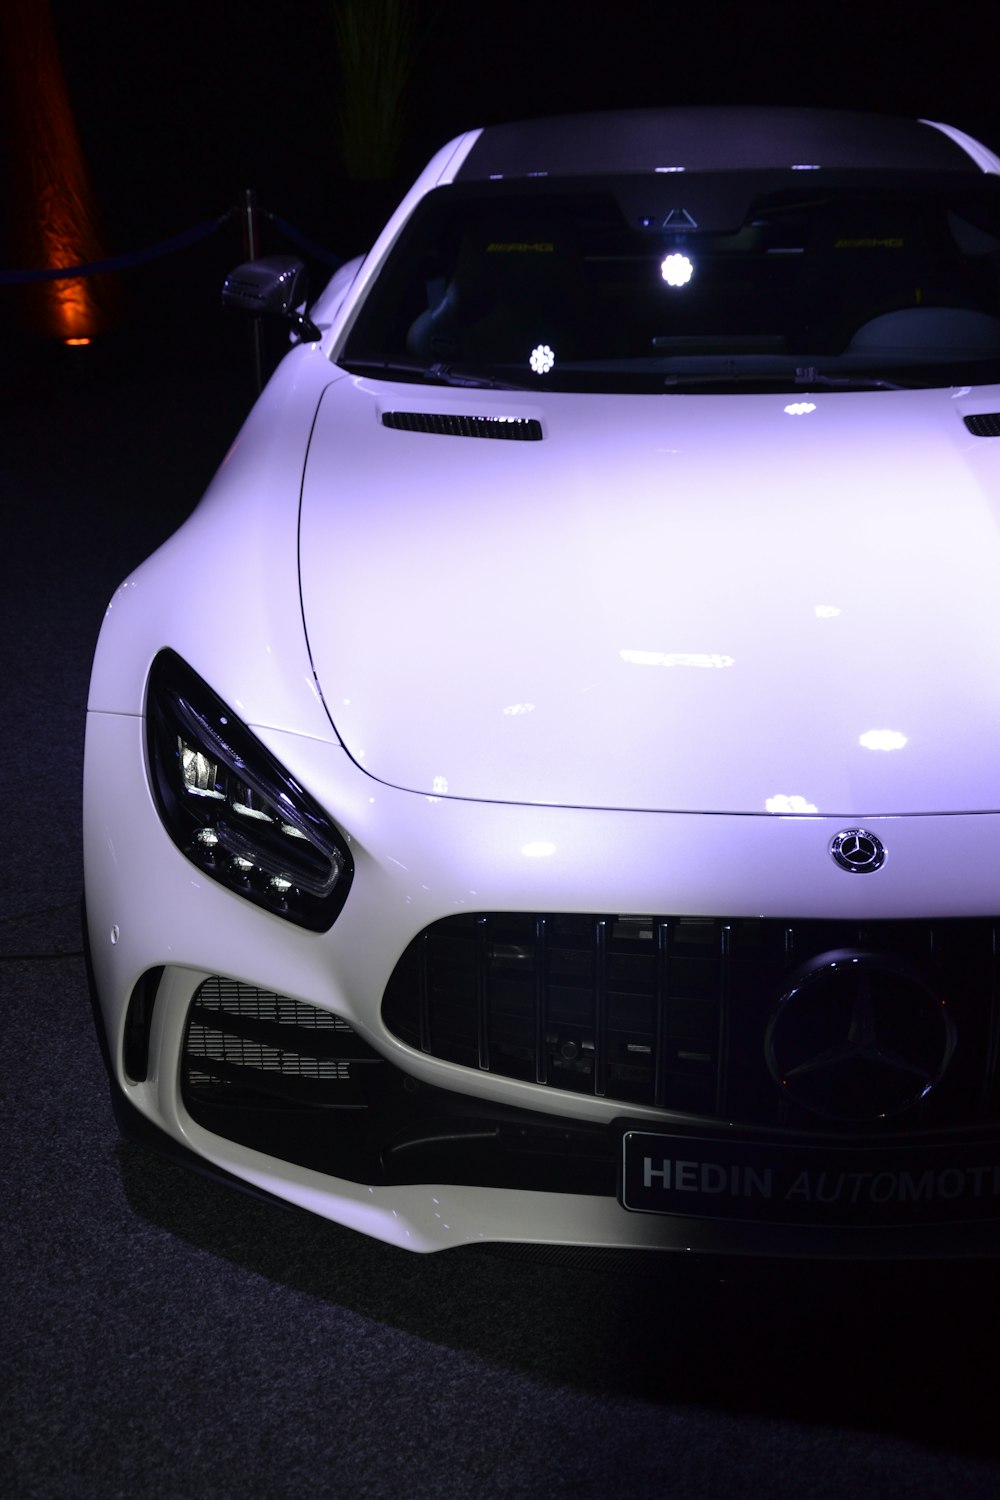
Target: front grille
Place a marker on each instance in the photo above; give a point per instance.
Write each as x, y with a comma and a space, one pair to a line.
244, 1041
673, 1012
509, 429
984, 424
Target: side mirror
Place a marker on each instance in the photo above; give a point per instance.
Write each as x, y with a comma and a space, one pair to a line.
273, 287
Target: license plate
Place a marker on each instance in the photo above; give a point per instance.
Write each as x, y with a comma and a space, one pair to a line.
780, 1183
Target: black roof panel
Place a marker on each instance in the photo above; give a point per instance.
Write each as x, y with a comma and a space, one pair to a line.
706, 138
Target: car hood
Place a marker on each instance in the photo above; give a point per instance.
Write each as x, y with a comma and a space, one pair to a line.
712, 603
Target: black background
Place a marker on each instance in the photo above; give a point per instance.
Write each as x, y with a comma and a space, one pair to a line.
182, 106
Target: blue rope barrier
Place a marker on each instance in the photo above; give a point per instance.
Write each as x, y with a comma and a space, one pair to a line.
304, 242
164, 247
118, 262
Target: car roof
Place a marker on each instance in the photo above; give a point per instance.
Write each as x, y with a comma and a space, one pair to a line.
709, 138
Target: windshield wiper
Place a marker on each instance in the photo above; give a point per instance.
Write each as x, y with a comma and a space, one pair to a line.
808, 375
436, 374
786, 379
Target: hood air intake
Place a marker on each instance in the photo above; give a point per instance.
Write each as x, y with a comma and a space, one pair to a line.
984, 424
511, 429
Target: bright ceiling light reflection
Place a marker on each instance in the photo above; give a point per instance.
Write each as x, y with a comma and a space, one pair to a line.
882, 739
514, 709
538, 850
677, 269
542, 359
800, 408
826, 611
785, 804
674, 659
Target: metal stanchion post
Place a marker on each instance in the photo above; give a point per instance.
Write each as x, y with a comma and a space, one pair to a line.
251, 250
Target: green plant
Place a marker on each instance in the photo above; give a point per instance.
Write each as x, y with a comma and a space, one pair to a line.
375, 42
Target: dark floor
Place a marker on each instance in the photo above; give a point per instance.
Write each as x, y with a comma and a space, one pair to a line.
164, 1337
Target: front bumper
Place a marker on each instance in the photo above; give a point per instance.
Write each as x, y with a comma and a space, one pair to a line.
511, 1162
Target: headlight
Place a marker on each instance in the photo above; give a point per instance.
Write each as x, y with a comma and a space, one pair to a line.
233, 809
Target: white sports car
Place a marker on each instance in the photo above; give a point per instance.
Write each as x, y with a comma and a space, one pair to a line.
549, 790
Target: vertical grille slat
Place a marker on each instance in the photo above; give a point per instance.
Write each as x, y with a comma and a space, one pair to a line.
482, 1000
725, 953
991, 1078
424, 1004
600, 1004
541, 1013
672, 1012
660, 1034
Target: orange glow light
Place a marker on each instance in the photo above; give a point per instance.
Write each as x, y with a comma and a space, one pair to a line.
55, 216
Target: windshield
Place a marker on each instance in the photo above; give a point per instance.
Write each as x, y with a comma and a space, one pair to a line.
703, 281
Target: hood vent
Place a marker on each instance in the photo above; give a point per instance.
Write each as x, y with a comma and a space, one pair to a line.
516, 429
984, 424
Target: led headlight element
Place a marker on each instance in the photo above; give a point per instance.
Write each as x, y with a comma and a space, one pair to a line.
233, 809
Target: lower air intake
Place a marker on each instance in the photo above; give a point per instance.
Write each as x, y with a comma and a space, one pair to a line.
242, 1041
